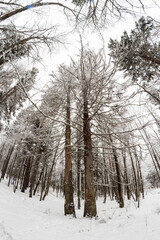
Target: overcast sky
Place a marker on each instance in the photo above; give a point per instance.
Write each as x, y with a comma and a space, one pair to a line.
91, 37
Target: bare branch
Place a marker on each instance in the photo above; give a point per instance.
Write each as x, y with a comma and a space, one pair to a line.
34, 5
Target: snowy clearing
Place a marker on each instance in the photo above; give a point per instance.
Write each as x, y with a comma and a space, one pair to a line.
23, 218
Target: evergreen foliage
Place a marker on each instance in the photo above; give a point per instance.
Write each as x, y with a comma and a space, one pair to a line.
12, 94
138, 55
12, 44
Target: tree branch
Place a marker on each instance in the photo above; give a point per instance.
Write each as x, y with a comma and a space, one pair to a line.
33, 5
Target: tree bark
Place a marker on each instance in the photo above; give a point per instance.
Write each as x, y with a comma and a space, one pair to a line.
68, 185
119, 181
135, 176
118, 172
26, 174
126, 176
50, 174
79, 177
6, 162
35, 168
90, 209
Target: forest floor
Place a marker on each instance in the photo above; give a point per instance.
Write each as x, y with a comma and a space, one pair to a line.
24, 218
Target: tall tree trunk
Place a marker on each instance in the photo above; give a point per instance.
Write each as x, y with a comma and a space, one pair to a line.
118, 172
126, 175
35, 168
139, 173
149, 146
50, 174
105, 181
136, 190
10, 172
68, 185
79, 177
112, 180
27, 174
1, 153
82, 184
39, 180
119, 180
19, 172
152, 149
6, 162
36, 158
90, 209
44, 180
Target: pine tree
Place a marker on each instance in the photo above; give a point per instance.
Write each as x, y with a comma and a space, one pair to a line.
138, 55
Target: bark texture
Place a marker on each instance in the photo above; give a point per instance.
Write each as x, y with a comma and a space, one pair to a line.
90, 209
68, 186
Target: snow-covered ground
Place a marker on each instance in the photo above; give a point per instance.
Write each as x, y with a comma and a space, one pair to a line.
22, 218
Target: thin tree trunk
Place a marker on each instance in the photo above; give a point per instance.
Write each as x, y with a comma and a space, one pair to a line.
119, 181
1, 153
26, 174
151, 154
79, 177
118, 172
82, 184
146, 140
6, 162
18, 176
140, 173
11, 169
153, 150
135, 177
43, 182
68, 185
39, 180
35, 165
35, 168
106, 183
50, 173
126, 176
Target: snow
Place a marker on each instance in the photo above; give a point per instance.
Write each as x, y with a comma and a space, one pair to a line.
24, 218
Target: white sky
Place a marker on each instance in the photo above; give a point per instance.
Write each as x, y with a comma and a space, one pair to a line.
62, 54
